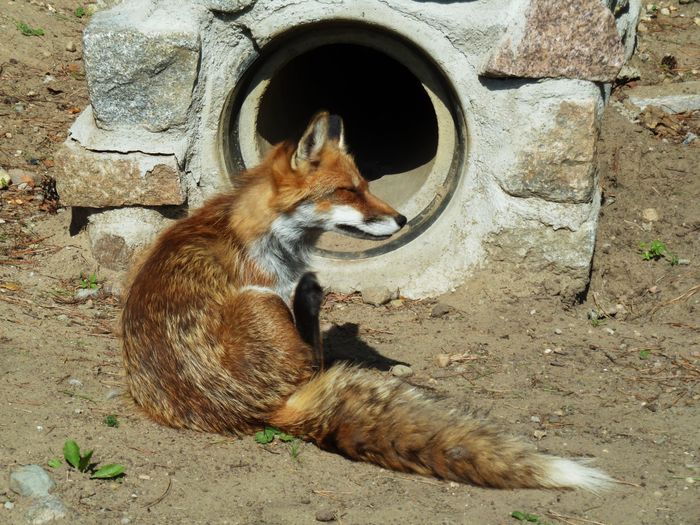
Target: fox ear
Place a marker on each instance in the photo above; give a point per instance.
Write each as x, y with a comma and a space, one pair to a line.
322, 129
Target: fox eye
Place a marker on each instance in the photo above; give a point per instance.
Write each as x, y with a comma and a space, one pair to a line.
351, 190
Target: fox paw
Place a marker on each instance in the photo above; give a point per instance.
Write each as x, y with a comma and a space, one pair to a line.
308, 295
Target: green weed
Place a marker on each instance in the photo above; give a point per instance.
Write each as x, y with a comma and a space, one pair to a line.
88, 280
81, 462
111, 421
27, 30
270, 433
656, 250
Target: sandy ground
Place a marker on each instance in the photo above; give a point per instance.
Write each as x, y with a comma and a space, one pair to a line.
623, 389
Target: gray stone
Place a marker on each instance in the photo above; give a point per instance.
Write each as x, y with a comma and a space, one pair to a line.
48, 508
85, 293
227, 6
20, 176
680, 97
560, 40
326, 515
377, 295
141, 69
31, 480
116, 235
440, 309
401, 371
97, 180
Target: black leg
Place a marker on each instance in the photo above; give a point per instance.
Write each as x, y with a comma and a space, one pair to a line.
307, 307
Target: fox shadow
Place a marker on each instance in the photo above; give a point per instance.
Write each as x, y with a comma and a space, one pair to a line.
342, 344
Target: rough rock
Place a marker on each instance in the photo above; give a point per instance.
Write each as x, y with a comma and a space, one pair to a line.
326, 515
440, 309
672, 98
32, 481
227, 6
96, 180
141, 69
401, 371
85, 293
46, 509
377, 295
560, 40
116, 235
559, 165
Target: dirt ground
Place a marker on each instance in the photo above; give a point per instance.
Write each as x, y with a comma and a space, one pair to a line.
622, 387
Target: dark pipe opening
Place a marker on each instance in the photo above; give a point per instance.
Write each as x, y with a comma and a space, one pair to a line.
390, 123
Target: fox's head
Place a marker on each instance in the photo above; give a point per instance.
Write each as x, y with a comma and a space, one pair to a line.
328, 190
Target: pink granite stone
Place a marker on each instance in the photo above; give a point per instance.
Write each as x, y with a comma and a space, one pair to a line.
560, 39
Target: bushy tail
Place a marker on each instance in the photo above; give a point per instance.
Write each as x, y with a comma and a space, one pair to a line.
366, 418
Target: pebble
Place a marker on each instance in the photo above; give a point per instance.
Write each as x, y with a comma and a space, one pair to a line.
440, 309
326, 515
113, 393
650, 214
535, 419
443, 360
396, 303
9, 505
665, 11
75, 382
610, 331
8, 135
557, 331
85, 293
32, 481
684, 262
377, 295
47, 509
70, 46
401, 371
63, 318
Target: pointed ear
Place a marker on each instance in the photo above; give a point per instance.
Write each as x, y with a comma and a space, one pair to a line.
322, 129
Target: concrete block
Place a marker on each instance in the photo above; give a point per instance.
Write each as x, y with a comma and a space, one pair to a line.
117, 235
89, 179
514, 157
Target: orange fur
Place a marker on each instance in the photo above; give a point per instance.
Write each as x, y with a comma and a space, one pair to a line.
210, 343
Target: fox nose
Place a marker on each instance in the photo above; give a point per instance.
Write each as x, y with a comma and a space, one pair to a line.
400, 220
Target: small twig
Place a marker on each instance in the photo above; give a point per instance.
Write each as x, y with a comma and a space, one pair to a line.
417, 478
75, 394
683, 297
622, 482
162, 497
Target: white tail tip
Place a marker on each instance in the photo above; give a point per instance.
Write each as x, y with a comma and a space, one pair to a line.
576, 474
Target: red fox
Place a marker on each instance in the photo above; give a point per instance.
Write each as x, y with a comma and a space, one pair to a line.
221, 330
